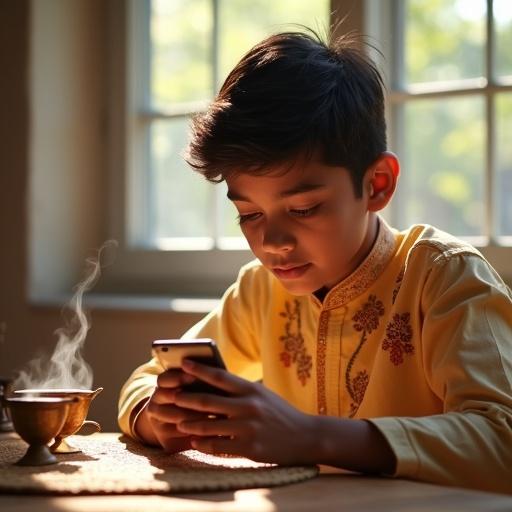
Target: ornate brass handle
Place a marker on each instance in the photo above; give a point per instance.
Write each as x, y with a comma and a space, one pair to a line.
88, 427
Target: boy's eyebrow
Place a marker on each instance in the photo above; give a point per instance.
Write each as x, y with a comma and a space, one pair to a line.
301, 188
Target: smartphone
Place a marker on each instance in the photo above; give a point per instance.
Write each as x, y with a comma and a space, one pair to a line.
170, 354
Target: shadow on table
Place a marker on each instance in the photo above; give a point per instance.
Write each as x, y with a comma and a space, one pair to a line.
164, 461
62, 467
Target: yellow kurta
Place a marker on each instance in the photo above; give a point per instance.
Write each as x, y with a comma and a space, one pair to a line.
418, 340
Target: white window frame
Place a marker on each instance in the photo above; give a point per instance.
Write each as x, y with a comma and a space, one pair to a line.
198, 270
384, 22
208, 271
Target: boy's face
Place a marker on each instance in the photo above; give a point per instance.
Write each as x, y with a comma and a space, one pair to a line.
305, 225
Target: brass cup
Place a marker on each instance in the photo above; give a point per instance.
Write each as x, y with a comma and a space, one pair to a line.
5, 421
75, 421
37, 420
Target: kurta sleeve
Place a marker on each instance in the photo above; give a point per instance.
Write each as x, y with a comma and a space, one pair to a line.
231, 324
135, 393
237, 323
466, 347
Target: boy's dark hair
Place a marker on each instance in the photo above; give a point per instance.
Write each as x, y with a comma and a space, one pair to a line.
293, 95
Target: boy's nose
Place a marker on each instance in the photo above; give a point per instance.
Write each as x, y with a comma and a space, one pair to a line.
276, 239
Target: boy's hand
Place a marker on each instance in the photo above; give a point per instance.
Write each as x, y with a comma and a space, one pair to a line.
157, 422
254, 421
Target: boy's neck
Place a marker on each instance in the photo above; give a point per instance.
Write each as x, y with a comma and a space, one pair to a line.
321, 293
367, 246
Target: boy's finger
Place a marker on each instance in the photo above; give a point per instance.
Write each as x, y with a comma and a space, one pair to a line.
210, 427
207, 403
164, 395
172, 414
164, 430
173, 379
172, 443
215, 445
217, 377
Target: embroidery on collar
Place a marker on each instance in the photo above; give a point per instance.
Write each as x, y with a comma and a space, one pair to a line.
294, 347
367, 273
398, 338
320, 361
365, 321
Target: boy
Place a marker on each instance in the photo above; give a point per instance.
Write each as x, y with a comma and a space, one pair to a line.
380, 351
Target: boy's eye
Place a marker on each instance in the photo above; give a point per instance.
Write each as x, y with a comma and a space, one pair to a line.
304, 212
296, 212
247, 217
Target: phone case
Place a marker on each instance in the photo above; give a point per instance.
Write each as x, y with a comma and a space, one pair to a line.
170, 353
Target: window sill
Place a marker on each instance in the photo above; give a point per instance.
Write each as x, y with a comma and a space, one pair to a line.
118, 302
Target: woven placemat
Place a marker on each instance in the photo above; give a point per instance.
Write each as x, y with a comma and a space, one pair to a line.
114, 464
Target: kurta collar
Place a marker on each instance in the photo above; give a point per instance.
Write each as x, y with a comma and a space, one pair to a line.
366, 274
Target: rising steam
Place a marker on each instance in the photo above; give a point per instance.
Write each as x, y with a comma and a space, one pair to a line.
66, 368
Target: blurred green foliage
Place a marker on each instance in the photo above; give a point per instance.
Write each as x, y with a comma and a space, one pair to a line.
444, 148
441, 42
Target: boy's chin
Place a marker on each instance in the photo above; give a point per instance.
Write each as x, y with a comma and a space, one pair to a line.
296, 287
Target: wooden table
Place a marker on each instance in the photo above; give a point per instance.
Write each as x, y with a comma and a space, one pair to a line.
333, 490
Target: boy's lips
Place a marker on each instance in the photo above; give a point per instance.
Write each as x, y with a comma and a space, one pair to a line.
291, 271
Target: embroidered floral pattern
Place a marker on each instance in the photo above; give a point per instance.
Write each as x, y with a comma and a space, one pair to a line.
367, 318
365, 321
398, 283
294, 348
398, 338
359, 384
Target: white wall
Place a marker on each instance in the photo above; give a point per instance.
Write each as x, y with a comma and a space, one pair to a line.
67, 141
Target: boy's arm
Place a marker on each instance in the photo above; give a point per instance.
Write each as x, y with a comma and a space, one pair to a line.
135, 393
142, 427
355, 445
235, 323
230, 325
467, 356
255, 422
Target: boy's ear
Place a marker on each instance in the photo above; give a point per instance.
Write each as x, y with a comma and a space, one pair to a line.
380, 181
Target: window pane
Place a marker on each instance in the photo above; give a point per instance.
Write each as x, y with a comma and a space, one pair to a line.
504, 164
181, 33
444, 40
503, 24
179, 196
444, 162
244, 23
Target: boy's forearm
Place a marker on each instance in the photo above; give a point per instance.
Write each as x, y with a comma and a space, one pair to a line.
355, 445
